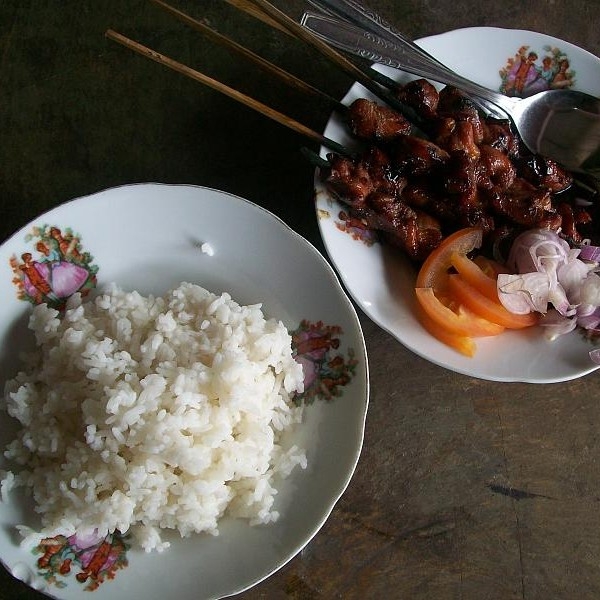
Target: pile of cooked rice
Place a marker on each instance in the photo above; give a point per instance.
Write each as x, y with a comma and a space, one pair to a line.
146, 413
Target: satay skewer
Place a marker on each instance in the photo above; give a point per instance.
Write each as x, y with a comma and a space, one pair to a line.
260, 62
249, 8
226, 90
272, 16
362, 76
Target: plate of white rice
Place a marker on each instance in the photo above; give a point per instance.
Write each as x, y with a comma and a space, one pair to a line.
185, 387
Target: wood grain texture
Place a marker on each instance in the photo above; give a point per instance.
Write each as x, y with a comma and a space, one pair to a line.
466, 490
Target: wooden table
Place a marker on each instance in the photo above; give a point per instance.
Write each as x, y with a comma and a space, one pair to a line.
466, 489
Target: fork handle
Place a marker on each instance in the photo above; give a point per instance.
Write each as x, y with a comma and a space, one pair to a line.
367, 45
369, 20
360, 31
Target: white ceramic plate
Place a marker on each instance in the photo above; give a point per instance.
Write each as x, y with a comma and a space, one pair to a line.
381, 281
149, 237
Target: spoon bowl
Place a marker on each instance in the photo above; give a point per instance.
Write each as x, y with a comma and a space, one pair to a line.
561, 124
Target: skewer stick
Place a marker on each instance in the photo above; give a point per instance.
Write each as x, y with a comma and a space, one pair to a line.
250, 9
226, 90
341, 61
267, 66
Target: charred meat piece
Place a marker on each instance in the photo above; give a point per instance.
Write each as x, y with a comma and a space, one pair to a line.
382, 212
544, 172
421, 236
392, 214
373, 122
470, 205
416, 156
526, 205
460, 175
353, 180
461, 137
460, 206
421, 96
494, 170
454, 103
441, 128
571, 218
415, 232
499, 135
373, 195
348, 180
420, 194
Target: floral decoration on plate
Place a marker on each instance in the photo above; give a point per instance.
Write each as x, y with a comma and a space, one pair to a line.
95, 559
257, 258
59, 268
325, 371
530, 72
356, 229
54, 268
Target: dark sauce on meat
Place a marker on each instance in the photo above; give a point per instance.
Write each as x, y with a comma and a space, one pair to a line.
467, 170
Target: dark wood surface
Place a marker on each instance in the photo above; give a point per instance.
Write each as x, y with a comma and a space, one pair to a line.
466, 489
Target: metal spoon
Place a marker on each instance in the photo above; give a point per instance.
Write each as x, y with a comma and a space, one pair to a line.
560, 124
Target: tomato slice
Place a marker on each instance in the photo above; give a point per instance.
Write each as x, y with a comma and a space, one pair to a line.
449, 321
434, 270
485, 308
491, 267
461, 322
473, 275
462, 343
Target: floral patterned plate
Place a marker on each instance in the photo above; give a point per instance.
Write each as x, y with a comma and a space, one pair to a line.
381, 281
150, 237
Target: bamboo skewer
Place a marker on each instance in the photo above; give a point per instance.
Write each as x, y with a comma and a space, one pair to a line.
270, 68
249, 8
271, 15
326, 50
224, 89
374, 81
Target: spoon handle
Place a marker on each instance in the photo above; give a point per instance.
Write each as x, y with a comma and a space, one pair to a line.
399, 53
367, 19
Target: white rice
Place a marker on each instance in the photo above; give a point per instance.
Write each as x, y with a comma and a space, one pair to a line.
140, 414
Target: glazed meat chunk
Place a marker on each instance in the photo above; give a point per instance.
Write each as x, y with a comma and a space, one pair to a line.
456, 168
373, 122
421, 96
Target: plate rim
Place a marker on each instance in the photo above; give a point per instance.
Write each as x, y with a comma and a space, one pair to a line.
319, 189
358, 343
